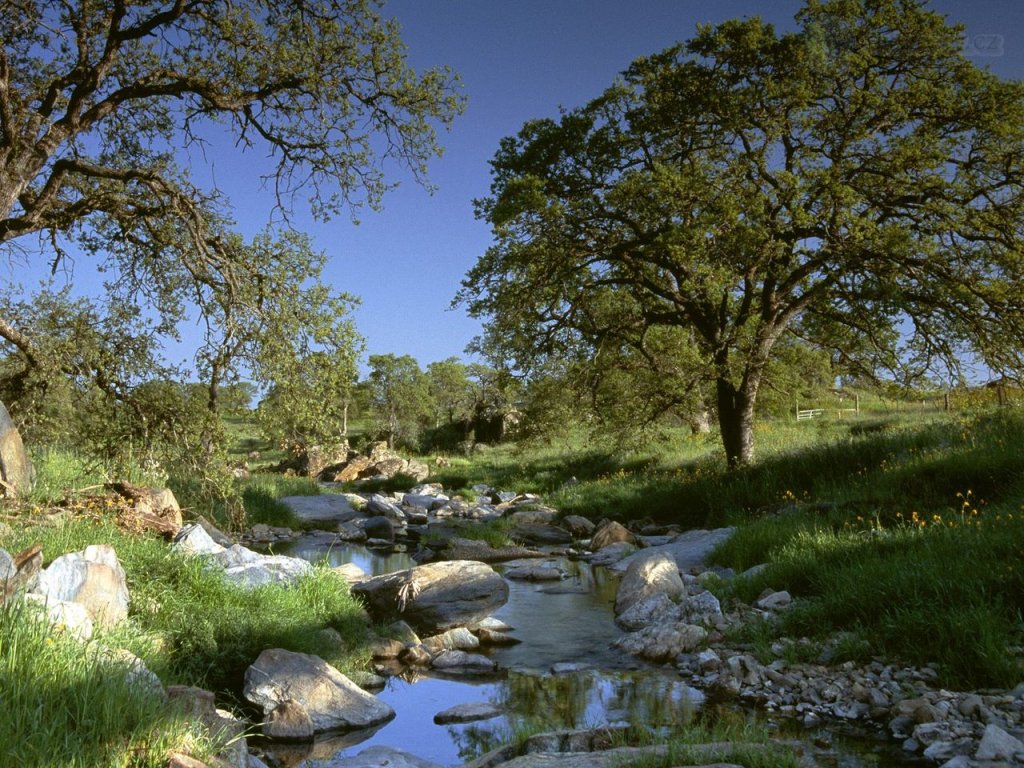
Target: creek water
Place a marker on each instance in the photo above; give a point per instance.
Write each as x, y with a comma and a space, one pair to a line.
569, 624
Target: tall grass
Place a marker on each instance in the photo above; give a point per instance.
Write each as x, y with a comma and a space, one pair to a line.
191, 626
65, 704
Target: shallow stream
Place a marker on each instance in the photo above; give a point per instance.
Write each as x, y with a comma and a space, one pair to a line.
558, 623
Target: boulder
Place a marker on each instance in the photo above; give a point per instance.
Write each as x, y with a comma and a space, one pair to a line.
540, 534
288, 721
997, 744
578, 526
462, 663
389, 467
15, 467
468, 713
610, 532
94, 578
648, 573
318, 457
331, 700
656, 608
774, 601
690, 549
427, 501
194, 540
351, 573
458, 639
379, 528
383, 507
663, 642
349, 471
250, 569
435, 597
152, 509
613, 554
64, 616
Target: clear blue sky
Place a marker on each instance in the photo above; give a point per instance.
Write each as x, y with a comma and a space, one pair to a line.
517, 60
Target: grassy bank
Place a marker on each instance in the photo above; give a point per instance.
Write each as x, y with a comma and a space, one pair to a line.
904, 533
66, 705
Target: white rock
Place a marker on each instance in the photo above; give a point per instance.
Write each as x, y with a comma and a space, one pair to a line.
94, 578
65, 616
774, 601
194, 540
997, 744
647, 574
653, 609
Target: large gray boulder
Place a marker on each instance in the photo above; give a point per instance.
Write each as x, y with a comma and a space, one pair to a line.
648, 573
663, 642
689, 550
93, 578
330, 699
437, 596
15, 467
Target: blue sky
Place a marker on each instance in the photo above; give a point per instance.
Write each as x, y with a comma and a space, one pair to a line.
517, 60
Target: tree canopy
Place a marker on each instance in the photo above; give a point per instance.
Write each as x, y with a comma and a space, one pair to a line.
855, 183
98, 99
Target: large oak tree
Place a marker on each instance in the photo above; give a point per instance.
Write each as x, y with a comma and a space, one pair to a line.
857, 181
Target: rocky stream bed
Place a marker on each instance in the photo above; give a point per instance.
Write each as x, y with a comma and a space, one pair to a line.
580, 629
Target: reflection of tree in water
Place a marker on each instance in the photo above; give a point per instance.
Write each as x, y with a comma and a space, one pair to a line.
646, 699
560, 700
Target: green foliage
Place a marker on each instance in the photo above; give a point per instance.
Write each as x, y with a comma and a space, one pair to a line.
747, 188
65, 704
401, 398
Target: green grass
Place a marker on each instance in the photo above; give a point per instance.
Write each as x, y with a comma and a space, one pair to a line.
191, 626
66, 705
830, 504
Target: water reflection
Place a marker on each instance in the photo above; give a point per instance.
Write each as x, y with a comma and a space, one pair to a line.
334, 552
567, 621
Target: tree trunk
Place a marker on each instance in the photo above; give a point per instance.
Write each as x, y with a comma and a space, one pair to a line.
736, 421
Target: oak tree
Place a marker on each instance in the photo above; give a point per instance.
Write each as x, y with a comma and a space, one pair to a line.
856, 181
98, 99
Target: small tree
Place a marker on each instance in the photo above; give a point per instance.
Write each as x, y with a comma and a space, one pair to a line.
401, 398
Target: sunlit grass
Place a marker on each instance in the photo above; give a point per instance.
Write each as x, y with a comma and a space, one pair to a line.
191, 626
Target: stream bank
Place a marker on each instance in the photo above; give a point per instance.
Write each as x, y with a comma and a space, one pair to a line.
568, 626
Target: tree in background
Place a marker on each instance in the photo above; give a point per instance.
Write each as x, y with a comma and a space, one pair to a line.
857, 176
96, 98
400, 396
451, 391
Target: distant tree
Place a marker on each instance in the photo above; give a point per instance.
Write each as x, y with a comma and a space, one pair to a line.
238, 397
858, 176
307, 357
96, 98
450, 390
401, 398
